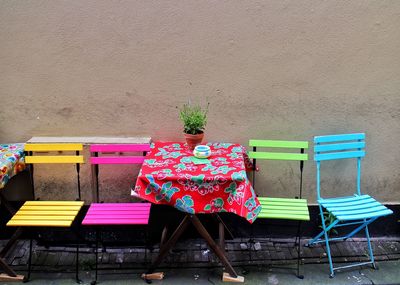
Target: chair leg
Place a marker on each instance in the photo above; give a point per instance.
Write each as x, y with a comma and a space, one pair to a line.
29, 261
298, 241
371, 254
97, 257
77, 257
146, 245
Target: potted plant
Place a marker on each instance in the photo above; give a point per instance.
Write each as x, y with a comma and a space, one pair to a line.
194, 119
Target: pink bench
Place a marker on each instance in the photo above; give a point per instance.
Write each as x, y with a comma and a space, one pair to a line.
115, 214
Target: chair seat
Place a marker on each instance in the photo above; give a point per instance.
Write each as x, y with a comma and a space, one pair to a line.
46, 214
284, 208
356, 207
102, 214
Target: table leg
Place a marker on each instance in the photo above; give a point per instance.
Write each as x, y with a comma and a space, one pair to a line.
221, 230
203, 232
169, 244
219, 219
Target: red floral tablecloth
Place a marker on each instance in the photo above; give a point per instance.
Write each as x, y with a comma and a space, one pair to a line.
11, 161
170, 176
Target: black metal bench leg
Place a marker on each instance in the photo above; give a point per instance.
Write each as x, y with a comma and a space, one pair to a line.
77, 257
298, 239
97, 257
29, 261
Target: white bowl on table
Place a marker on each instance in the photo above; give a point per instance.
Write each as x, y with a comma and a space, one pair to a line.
202, 151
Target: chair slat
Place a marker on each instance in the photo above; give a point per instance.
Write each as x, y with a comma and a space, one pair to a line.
119, 147
284, 216
40, 223
358, 206
50, 208
339, 155
44, 217
53, 147
354, 211
278, 144
336, 138
340, 146
117, 160
368, 215
284, 207
49, 213
337, 200
54, 203
277, 155
54, 159
285, 200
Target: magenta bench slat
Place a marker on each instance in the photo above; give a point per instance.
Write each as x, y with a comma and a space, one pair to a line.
118, 214
119, 147
117, 160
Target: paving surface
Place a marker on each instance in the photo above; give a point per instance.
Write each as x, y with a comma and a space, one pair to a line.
192, 261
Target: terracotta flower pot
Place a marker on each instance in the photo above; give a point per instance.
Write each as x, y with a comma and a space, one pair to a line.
193, 140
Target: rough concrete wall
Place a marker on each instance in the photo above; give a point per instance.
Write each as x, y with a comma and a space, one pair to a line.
270, 69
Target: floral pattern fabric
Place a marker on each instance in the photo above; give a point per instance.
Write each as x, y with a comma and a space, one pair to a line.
169, 176
11, 161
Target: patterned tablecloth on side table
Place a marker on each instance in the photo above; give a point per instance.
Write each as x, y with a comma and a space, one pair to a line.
11, 161
170, 175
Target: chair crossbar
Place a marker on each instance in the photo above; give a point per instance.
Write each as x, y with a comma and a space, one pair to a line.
278, 155
348, 224
337, 138
353, 265
61, 159
278, 144
339, 146
117, 160
339, 155
119, 147
53, 147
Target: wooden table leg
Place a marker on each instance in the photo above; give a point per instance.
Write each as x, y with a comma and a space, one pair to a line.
168, 245
219, 219
221, 230
203, 232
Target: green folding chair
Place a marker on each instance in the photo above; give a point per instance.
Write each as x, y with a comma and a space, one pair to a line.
283, 208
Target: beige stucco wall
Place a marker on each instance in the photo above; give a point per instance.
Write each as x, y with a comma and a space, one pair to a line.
270, 69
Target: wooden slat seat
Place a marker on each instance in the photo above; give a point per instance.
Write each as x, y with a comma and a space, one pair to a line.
102, 214
46, 214
284, 208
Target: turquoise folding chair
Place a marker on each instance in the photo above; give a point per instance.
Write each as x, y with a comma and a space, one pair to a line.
358, 210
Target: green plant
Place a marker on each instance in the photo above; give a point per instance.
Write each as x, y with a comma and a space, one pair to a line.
329, 219
194, 118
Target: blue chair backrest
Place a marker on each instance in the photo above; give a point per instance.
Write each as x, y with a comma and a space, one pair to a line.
334, 147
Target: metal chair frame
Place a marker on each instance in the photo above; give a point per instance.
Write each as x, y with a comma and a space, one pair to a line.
345, 209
